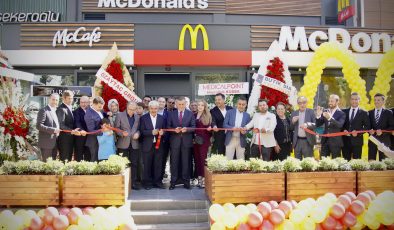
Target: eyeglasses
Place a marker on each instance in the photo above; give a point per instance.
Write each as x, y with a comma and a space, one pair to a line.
171, 102
301, 102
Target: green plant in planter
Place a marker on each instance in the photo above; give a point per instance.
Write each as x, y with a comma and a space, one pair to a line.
309, 164
275, 166
377, 166
80, 168
359, 165
256, 165
389, 163
55, 167
343, 164
238, 165
217, 163
328, 164
35, 167
292, 164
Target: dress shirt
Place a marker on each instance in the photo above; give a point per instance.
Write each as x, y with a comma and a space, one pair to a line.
301, 121
99, 113
224, 111
268, 122
71, 109
54, 115
238, 122
154, 119
351, 112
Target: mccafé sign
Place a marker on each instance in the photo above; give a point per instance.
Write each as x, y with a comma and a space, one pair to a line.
360, 42
149, 4
79, 35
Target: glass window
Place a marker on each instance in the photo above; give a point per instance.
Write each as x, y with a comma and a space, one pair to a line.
206, 78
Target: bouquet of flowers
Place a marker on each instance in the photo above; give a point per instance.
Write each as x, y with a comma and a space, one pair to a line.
14, 123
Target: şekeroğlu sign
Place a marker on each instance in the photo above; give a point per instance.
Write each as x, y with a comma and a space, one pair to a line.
45, 90
224, 88
299, 39
47, 16
64, 37
169, 4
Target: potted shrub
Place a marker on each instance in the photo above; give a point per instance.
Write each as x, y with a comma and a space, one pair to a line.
377, 176
239, 181
311, 179
92, 183
28, 183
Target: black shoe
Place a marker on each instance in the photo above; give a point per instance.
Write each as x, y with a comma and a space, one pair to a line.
172, 187
187, 186
148, 188
165, 175
161, 186
135, 187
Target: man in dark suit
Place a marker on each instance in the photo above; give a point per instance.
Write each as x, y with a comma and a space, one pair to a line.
236, 140
81, 151
218, 114
128, 143
181, 141
66, 122
356, 119
380, 119
93, 117
150, 127
304, 117
48, 128
333, 120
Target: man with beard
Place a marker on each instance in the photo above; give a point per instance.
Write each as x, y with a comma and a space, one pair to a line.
218, 114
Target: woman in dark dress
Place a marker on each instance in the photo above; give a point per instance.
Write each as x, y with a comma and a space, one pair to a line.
282, 133
202, 139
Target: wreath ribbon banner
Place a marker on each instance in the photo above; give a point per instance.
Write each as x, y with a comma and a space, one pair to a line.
117, 86
273, 83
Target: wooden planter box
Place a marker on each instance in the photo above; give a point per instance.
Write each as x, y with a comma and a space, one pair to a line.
244, 187
96, 189
377, 181
29, 190
302, 185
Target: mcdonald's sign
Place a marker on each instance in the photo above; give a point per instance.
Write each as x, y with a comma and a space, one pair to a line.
345, 10
193, 36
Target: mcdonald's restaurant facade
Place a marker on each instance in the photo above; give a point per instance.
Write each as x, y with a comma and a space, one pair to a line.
172, 46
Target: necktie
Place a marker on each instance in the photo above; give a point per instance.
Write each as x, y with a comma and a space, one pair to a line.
377, 116
180, 118
353, 113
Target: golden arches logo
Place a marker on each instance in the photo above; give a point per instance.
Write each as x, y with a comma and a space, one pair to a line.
193, 36
343, 4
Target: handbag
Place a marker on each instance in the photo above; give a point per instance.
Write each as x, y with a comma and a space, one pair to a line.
198, 140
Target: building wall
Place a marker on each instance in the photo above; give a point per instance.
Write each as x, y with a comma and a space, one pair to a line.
379, 14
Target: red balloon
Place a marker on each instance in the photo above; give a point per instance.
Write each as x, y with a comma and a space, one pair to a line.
337, 211
339, 226
36, 223
255, 219
243, 226
293, 204
351, 195
365, 198
349, 219
49, 214
64, 211
345, 200
329, 223
264, 208
357, 207
286, 207
60, 222
273, 204
277, 216
48, 227
267, 225
87, 211
371, 194
390, 227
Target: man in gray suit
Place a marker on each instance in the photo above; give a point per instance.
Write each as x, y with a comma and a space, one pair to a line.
48, 127
127, 142
303, 142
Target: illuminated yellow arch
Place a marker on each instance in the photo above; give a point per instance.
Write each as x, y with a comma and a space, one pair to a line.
383, 77
350, 70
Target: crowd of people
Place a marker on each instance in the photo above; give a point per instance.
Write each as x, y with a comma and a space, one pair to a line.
153, 131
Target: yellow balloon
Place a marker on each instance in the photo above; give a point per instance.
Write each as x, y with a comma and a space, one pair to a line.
318, 215
251, 207
285, 225
229, 207
308, 224
230, 220
358, 226
72, 227
218, 226
297, 216
216, 212
243, 212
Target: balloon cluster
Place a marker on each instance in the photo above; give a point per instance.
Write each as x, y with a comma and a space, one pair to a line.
347, 211
68, 219
350, 70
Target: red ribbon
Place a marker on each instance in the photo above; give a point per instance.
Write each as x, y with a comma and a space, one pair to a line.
95, 132
342, 133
